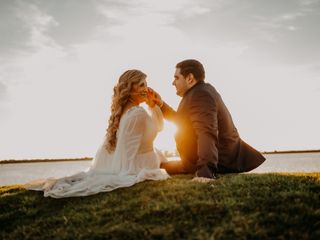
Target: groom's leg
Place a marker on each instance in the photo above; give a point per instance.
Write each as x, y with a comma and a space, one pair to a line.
173, 167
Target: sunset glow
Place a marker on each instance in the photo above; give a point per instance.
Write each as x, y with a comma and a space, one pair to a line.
60, 61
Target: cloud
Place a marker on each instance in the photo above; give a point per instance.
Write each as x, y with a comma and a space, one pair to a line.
24, 27
274, 23
177, 7
12, 30
314, 68
268, 27
38, 23
274, 31
309, 3
78, 20
27, 25
3, 91
4, 111
67, 55
145, 18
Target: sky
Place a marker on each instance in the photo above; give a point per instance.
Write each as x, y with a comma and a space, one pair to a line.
59, 61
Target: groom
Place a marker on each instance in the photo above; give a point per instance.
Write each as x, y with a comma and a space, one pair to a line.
207, 139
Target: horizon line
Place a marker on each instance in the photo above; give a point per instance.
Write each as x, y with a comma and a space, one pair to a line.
33, 160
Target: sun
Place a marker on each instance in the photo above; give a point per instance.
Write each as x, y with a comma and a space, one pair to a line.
165, 139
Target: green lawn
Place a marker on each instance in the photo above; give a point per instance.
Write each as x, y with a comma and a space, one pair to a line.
243, 206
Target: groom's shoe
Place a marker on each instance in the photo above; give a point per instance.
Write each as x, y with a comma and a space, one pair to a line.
205, 172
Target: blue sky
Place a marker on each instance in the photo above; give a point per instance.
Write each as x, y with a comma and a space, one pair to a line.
60, 59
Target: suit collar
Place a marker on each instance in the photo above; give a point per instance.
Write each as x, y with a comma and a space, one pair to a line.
193, 87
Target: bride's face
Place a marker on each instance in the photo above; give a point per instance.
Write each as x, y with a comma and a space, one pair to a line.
139, 91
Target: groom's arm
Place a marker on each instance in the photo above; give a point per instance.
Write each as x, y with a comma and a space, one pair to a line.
203, 115
168, 112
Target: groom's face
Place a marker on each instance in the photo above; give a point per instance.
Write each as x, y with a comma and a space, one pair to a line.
180, 83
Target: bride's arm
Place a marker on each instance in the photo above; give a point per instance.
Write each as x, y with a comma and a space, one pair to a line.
157, 117
130, 137
127, 146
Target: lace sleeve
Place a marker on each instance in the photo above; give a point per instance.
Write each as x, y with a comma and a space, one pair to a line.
129, 140
157, 117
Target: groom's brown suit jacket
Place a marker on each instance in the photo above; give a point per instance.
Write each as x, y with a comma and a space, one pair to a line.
207, 139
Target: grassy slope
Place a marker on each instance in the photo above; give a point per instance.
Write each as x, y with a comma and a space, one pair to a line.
246, 206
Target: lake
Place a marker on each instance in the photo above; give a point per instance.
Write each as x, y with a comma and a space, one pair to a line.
18, 173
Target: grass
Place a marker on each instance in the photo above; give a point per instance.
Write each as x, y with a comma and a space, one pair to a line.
236, 206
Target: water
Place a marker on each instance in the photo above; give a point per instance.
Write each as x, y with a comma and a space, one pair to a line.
18, 173
292, 162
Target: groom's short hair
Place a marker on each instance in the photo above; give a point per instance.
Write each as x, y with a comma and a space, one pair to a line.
192, 66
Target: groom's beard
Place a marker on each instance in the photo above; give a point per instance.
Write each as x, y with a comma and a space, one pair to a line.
179, 93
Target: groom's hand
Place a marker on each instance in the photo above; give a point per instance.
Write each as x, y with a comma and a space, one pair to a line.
154, 98
150, 99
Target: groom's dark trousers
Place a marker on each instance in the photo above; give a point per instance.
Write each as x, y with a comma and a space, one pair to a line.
207, 139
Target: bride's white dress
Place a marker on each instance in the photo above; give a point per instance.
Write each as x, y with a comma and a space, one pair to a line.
134, 160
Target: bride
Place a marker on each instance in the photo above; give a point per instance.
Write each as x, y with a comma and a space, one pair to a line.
126, 155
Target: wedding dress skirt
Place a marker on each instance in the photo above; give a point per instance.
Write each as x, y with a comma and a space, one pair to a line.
134, 160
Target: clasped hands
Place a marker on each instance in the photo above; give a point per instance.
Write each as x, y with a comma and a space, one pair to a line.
153, 98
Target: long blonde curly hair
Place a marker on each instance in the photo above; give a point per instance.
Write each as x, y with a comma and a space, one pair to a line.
121, 96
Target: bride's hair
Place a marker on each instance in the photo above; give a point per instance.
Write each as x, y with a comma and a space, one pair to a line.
121, 95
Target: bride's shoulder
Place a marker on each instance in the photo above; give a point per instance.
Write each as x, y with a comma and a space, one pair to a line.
137, 110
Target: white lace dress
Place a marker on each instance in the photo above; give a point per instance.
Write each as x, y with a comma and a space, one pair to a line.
134, 160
